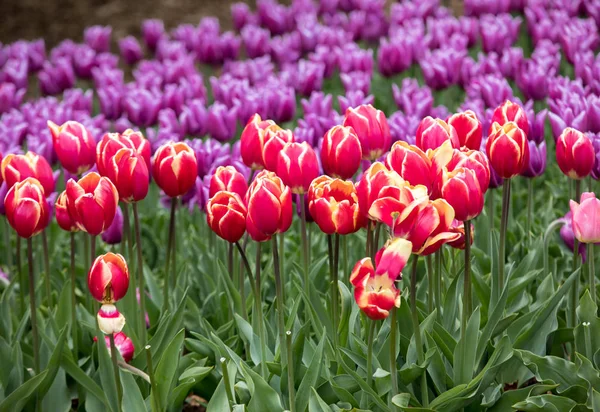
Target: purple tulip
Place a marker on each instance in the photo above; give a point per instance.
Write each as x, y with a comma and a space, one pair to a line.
354, 99
98, 38
105, 78
15, 71
282, 104
307, 28
568, 237
309, 77
595, 138
230, 46
274, 16
533, 79
413, 99
537, 124
84, 61
479, 7
352, 58
122, 124
152, 31
42, 141
256, 41
356, 81
579, 35
305, 134
441, 68
592, 9
324, 55
193, 119
10, 97
492, 90
130, 50
114, 233
141, 106
221, 121
498, 32
394, 56
110, 99
168, 122
159, 137
403, 127
286, 48
79, 100
241, 15
56, 77
537, 160
593, 113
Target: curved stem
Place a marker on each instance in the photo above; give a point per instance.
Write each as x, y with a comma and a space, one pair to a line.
46, 269
280, 305
491, 215
92, 248
592, 273
290, 369
155, 394
169, 251
134, 370
393, 353
503, 228
417, 328
73, 300
140, 273
113, 356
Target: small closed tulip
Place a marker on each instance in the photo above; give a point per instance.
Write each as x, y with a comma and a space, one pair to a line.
298, 166
507, 150
537, 160
92, 202
227, 178
333, 203
460, 188
114, 233
586, 218
269, 203
111, 143
16, 168
459, 227
252, 141
110, 320
431, 133
175, 168
372, 129
129, 173
26, 208
123, 344
226, 215
63, 218
341, 152
473, 160
275, 139
468, 129
373, 180
510, 112
74, 146
575, 154
108, 278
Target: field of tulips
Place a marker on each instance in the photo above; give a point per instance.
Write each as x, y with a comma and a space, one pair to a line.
339, 205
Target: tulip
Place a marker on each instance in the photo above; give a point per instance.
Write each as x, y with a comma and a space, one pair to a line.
111, 143
473, 160
227, 178
537, 159
123, 344
74, 146
341, 152
459, 227
298, 166
226, 215
114, 233
575, 154
371, 127
129, 173
16, 168
510, 112
333, 203
269, 203
108, 278
63, 218
507, 149
175, 168
468, 129
92, 202
586, 218
274, 141
460, 188
375, 291
431, 133
253, 140
110, 320
373, 180
26, 208
568, 236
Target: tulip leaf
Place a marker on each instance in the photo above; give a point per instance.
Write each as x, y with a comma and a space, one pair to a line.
132, 397
509, 398
546, 403
309, 380
167, 368
555, 369
83, 379
264, 397
20, 396
53, 364
465, 351
218, 401
107, 376
586, 313
315, 403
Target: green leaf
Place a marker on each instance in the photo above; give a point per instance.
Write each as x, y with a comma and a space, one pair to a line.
490, 326
107, 375
167, 368
316, 404
558, 370
218, 401
363, 385
509, 398
586, 312
401, 400
264, 397
310, 378
18, 398
132, 397
58, 398
546, 403
465, 351
53, 364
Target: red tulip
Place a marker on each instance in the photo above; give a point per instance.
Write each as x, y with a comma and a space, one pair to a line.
575, 154
111, 143
458, 226
372, 129
128, 172
108, 278
586, 218
298, 166
275, 138
227, 178
460, 188
26, 208
341, 152
123, 344
110, 320
333, 203
252, 141
474, 160
74, 146
92, 202
1, 177
431, 133
468, 129
373, 180
510, 112
375, 291
269, 207
226, 215
507, 149
63, 218
175, 168
16, 168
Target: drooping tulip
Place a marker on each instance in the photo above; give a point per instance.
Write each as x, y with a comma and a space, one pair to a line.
110, 320
372, 129
226, 215
26, 208
507, 149
123, 344
373, 180
252, 141
175, 168
108, 278
92, 202
468, 129
17, 167
341, 152
129, 173
460, 188
586, 218
510, 112
458, 226
74, 146
298, 166
63, 218
431, 133
227, 178
575, 154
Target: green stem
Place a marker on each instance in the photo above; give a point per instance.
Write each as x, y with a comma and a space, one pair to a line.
334, 288
174, 249
467, 303
280, 305
155, 395
417, 328
32, 308
491, 215
114, 357
47, 269
369, 238
7, 245
259, 313
281, 252
127, 241
438, 282
375, 244
127, 252
304, 245
227, 382
290, 370
590, 256
370, 339
73, 301
230, 260
574, 298
140, 272
529, 209
430, 283
21, 276
503, 228
92, 248
167, 280
551, 228
393, 353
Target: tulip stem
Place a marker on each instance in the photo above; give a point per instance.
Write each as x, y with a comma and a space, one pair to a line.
169, 252
124, 365
21, 276
369, 238
417, 328
304, 244
393, 353
438, 283
334, 288
46, 269
227, 382
8, 249
529, 209
73, 300
230, 260
430, 283
290, 371
592, 274
128, 253
113, 355
370, 339
503, 228
281, 251
574, 298
140, 271
92, 248
280, 305
551, 227
491, 213
32, 308
155, 395
466, 281
375, 244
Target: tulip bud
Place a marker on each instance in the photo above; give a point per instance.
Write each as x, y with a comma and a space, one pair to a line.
341, 152
586, 218
298, 166
26, 208
431, 133
111, 143
63, 218
460, 188
92, 202
123, 344
226, 215
510, 112
371, 127
373, 180
275, 139
475, 161
568, 237
507, 149
227, 178
74, 146
129, 174
110, 320
468, 129
108, 278
459, 228
269, 207
252, 141
114, 233
333, 203
575, 154
16, 168
175, 168
537, 160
